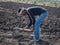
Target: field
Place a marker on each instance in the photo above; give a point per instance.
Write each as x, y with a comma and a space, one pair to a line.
50, 28
51, 3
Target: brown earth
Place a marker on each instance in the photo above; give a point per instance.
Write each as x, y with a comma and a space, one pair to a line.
50, 28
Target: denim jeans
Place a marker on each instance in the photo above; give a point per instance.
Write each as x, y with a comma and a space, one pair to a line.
37, 25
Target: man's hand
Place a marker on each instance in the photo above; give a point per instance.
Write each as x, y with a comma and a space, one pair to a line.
26, 27
32, 27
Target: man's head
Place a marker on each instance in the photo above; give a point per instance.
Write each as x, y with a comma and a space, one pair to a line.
22, 11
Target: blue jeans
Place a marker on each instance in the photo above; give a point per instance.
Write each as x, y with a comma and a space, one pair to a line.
37, 25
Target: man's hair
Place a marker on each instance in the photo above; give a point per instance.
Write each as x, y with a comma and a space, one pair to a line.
19, 10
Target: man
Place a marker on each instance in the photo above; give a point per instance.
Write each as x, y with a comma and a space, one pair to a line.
32, 12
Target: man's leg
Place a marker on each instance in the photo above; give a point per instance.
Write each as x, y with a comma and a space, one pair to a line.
37, 25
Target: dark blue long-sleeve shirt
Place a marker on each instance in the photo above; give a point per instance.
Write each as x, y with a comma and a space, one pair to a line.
36, 10
33, 11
